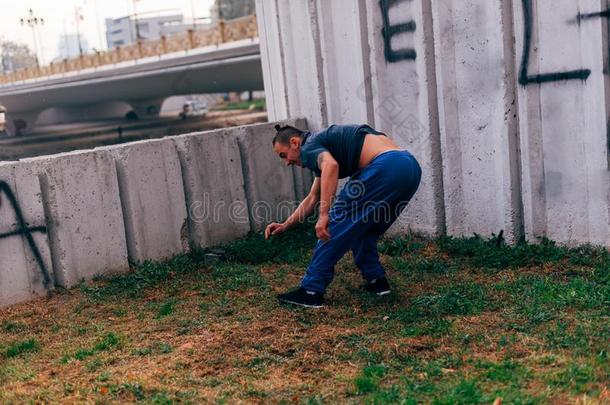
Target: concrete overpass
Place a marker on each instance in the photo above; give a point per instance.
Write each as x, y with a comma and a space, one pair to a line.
143, 84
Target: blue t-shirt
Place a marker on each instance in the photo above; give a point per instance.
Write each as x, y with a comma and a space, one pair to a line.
343, 142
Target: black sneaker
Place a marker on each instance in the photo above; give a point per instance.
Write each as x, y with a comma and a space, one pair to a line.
378, 286
302, 297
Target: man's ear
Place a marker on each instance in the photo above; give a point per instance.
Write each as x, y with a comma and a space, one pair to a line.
295, 141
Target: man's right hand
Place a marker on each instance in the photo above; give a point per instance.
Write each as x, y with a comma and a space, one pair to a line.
274, 229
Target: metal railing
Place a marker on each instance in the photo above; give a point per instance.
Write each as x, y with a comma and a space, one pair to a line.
222, 32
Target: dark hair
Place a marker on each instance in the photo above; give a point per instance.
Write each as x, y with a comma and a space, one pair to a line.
285, 133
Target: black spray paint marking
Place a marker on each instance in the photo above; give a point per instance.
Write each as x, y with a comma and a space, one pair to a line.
388, 31
589, 16
524, 77
24, 230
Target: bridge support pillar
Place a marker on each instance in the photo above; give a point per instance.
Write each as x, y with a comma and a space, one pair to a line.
21, 123
86, 113
147, 108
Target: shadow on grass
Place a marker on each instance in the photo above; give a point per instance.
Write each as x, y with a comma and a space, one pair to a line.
295, 246
236, 271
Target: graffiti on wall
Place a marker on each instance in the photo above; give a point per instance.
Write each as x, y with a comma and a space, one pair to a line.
524, 77
24, 230
390, 30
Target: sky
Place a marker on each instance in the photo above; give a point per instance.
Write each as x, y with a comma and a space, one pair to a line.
59, 17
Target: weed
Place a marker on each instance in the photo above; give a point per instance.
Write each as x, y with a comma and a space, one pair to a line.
134, 389
161, 398
108, 341
289, 247
19, 348
493, 253
142, 351
105, 376
145, 275
233, 277
164, 348
432, 327
504, 372
421, 266
400, 246
459, 299
368, 380
13, 327
93, 365
119, 312
166, 308
465, 392
576, 377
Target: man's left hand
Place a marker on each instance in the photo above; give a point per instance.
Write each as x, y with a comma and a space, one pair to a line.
322, 228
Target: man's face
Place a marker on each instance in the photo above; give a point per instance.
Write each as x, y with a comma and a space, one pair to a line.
290, 154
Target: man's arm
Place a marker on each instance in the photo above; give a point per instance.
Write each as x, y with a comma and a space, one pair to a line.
304, 210
306, 207
328, 189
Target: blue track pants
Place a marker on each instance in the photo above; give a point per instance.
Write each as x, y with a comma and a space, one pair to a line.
364, 209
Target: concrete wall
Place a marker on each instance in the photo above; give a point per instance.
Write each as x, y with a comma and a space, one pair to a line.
25, 263
83, 209
504, 103
152, 199
270, 188
68, 217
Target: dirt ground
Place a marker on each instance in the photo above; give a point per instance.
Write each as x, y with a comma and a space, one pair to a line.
469, 321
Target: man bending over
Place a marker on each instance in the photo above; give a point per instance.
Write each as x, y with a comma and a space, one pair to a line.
383, 178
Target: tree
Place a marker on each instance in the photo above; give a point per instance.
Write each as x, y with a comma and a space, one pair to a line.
15, 56
231, 9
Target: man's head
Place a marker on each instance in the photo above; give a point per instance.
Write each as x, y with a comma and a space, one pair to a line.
287, 144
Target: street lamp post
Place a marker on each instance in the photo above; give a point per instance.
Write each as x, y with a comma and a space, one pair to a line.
135, 17
78, 15
193, 13
33, 22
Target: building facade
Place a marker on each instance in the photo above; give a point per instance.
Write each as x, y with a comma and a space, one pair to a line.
71, 46
126, 30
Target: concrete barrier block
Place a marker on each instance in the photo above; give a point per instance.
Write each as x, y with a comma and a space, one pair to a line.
214, 187
302, 72
152, 197
563, 121
84, 215
271, 51
478, 134
25, 262
269, 184
345, 67
402, 93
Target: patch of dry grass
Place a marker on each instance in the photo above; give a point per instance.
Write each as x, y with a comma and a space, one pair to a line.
453, 331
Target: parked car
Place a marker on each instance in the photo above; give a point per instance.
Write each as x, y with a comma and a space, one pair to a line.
2, 121
193, 108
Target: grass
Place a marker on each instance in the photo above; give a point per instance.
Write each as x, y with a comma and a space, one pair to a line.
470, 320
242, 105
19, 348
